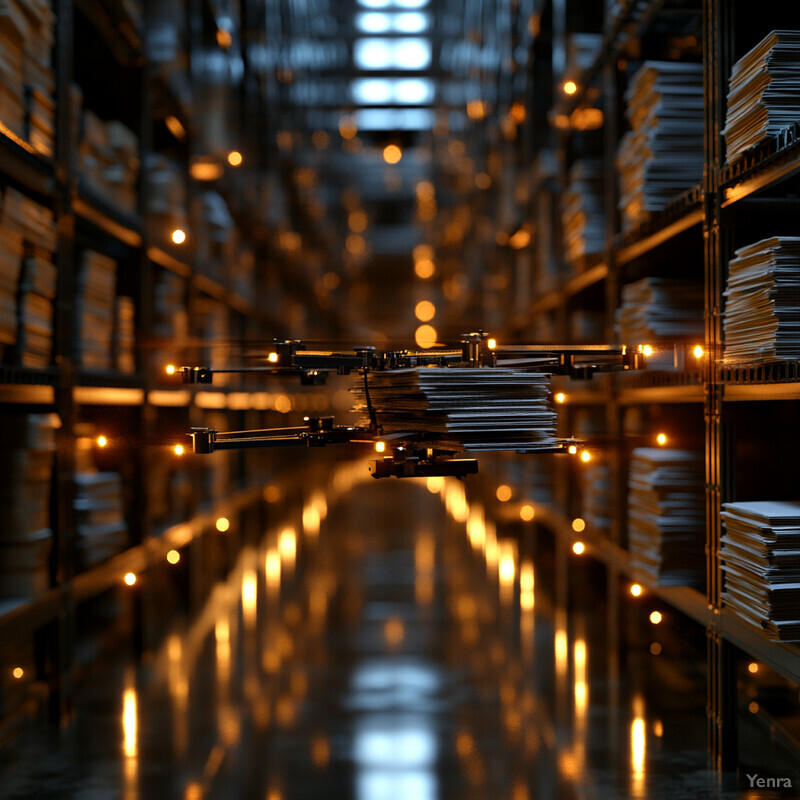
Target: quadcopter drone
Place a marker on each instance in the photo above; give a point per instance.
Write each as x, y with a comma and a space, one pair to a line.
418, 451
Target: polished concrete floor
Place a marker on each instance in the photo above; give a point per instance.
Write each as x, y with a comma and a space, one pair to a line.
386, 642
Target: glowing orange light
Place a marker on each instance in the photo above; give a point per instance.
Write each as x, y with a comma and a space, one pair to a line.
655, 649
578, 548
425, 311
178, 450
235, 158
224, 38
698, 351
578, 525
173, 556
655, 617
586, 456
636, 589
661, 439
223, 524
491, 343
170, 369
102, 441
178, 236
130, 578
752, 667
570, 87
424, 268
272, 358
392, 154
18, 672
561, 397
426, 336
647, 350
380, 447
503, 493
572, 449
527, 513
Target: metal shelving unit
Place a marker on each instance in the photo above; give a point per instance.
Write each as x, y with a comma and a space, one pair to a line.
695, 228
146, 403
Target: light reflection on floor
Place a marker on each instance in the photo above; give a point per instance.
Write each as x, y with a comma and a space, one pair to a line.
387, 641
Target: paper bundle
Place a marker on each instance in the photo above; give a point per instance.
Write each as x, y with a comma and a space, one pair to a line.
666, 516
662, 155
582, 210
761, 565
659, 310
763, 92
762, 302
464, 408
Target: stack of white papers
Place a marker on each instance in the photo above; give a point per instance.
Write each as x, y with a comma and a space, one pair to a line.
463, 408
666, 516
761, 565
582, 210
762, 309
763, 95
662, 155
94, 310
658, 309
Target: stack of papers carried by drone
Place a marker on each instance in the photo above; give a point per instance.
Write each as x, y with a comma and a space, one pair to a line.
491, 408
662, 155
762, 309
763, 93
657, 309
761, 565
666, 516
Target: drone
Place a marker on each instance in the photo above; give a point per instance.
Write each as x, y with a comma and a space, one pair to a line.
416, 452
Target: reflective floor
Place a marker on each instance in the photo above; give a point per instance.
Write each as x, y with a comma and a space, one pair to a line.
386, 642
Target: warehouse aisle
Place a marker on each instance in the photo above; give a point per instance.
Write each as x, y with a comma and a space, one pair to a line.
364, 653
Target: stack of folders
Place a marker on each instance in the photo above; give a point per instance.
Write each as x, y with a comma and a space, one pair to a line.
39, 76
662, 154
463, 408
762, 302
594, 477
27, 449
11, 249
666, 516
109, 161
94, 310
25, 218
761, 565
582, 210
125, 335
762, 93
170, 318
597, 493
14, 29
102, 531
660, 310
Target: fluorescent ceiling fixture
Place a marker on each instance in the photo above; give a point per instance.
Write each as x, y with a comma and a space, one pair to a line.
406, 119
374, 22
410, 22
372, 91
383, 22
404, 54
413, 91
386, 91
393, 3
